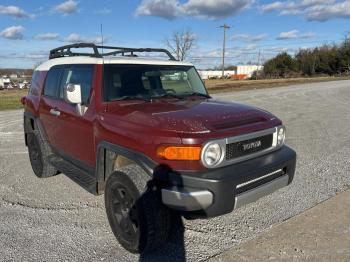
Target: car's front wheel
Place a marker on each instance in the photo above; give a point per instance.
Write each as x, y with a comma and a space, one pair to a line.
136, 215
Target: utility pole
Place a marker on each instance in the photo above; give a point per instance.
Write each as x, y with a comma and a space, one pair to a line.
225, 26
257, 71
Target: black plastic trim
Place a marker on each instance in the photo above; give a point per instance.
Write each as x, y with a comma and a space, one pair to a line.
222, 182
142, 160
77, 163
37, 125
77, 174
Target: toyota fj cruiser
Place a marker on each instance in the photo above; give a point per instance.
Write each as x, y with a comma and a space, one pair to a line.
146, 133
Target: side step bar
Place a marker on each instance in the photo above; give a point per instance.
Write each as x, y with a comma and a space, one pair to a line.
77, 175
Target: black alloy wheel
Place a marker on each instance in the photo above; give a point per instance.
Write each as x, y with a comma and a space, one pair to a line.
138, 219
125, 212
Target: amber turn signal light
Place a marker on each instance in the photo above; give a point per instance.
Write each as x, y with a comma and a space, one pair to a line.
179, 152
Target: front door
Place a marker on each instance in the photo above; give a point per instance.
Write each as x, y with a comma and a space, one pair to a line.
70, 133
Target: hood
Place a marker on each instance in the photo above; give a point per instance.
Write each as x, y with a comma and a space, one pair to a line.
189, 115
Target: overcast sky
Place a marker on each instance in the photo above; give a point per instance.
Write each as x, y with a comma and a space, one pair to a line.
29, 29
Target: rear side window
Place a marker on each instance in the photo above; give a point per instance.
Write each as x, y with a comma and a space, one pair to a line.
79, 75
35, 84
52, 82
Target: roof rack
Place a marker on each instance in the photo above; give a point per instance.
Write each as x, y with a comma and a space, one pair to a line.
64, 51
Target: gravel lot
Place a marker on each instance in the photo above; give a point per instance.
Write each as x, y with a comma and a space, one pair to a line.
54, 219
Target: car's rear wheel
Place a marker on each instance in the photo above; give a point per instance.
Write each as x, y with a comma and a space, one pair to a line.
138, 219
39, 152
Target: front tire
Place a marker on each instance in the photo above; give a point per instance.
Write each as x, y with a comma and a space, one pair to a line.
39, 152
138, 219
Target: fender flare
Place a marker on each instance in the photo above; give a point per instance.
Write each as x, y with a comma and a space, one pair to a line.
103, 156
30, 123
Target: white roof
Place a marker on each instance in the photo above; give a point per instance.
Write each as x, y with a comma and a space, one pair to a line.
107, 60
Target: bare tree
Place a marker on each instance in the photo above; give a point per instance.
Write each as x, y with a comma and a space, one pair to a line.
180, 43
346, 39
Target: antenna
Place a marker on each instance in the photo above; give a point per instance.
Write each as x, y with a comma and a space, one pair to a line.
101, 28
103, 60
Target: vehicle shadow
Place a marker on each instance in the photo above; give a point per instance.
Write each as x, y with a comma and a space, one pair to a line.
174, 250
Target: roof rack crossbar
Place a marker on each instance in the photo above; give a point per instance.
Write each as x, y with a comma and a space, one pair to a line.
66, 51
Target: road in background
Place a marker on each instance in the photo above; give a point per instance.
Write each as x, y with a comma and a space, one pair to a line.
55, 219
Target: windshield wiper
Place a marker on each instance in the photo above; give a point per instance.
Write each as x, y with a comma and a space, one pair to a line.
139, 97
196, 94
168, 95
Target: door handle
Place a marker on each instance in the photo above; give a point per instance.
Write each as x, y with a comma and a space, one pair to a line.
54, 112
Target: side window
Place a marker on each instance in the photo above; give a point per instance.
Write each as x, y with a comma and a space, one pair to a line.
114, 83
52, 82
35, 84
79, 75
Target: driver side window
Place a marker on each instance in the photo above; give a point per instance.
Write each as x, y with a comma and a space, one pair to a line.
79, 75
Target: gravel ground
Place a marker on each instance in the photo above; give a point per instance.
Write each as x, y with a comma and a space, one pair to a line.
54, 219
319, 234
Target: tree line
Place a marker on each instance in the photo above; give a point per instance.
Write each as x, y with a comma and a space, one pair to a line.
9, 71
328, 60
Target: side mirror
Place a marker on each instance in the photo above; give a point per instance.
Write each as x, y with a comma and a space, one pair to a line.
72, 93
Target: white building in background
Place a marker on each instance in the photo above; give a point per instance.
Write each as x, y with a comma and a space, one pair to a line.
248, 70
13, 76
208, 74
242, 72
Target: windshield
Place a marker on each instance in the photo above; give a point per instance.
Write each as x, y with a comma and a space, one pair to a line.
151, 81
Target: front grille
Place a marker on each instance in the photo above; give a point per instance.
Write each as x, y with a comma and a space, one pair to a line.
247, 147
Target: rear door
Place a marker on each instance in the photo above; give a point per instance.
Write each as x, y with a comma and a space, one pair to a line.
50, 104
69, 133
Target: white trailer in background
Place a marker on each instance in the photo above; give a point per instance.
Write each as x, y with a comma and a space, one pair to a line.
248, 70
242, 72
208, 74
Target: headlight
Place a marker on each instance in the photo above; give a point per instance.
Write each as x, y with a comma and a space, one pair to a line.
281, 135
212, 155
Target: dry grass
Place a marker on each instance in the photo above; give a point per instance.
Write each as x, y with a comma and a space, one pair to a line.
228, 85
10, 99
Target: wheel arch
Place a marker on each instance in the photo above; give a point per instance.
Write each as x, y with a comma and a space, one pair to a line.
111, 157
31, 123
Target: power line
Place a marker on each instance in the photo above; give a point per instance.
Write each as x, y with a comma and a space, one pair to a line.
297, 44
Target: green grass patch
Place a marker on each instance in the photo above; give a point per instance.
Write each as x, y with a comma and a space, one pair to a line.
11, 99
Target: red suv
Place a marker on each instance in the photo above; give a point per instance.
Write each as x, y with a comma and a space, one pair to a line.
146, 133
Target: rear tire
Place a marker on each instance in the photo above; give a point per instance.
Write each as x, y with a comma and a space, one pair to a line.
139, 220
39, 152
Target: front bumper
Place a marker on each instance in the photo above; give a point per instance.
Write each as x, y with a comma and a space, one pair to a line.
219, 191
